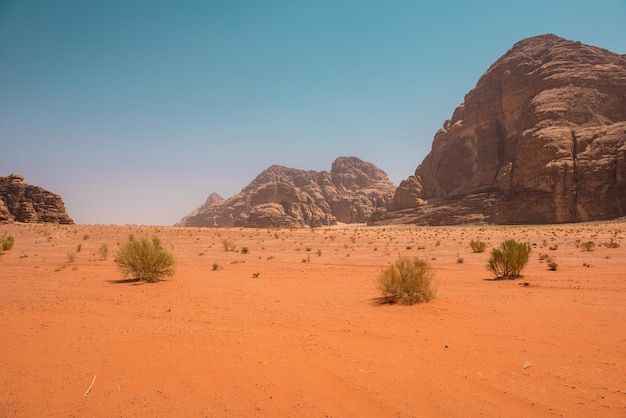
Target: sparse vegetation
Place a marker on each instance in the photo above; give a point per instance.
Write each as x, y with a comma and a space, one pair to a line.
478, 246
588, 246
6, 242
228, 245
408, 281
508, 260
245, 250
611, 244
144, 259
552, 266
103, 252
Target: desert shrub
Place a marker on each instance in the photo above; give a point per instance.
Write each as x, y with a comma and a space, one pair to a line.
409, 280
478, 246
588, 246
228, 245
552, 266
103, 252
611, 244
508, 260
245, 250
6, 242
144, 259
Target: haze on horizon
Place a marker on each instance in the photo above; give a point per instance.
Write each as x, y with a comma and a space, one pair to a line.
134, 112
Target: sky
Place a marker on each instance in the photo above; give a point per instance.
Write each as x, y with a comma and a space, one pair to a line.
135, 111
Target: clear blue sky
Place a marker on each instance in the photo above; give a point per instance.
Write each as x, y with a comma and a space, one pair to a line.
134, 111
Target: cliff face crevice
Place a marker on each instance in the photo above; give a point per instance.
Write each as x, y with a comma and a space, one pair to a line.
541, 137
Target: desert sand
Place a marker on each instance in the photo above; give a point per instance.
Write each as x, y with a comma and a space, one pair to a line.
292, 327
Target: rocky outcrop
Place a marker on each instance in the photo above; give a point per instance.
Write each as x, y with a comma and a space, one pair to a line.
196, 217
287, 197
540, 139
21, 202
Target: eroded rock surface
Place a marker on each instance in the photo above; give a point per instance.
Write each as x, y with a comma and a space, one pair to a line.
288, 197
21, 202
540, 139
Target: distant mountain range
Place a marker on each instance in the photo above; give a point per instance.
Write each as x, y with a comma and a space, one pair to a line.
287, 197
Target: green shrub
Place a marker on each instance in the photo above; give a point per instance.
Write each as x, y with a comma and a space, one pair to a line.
478, 246
409, 280
144, 259
6, 242
508, 260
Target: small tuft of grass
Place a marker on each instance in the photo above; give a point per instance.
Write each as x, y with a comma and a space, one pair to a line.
228, 245
6, 242
103, 252
588, 246
478, 246
611, 244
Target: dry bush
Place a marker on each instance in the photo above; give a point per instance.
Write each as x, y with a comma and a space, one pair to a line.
228, 245
409, 280
103, 252
588, 246
145, 260
508, 260
478, 246
6, 242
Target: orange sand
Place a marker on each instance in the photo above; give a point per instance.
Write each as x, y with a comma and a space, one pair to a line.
306, 337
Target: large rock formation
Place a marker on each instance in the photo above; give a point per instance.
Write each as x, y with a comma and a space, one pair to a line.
287, 197
540, 139
21, 202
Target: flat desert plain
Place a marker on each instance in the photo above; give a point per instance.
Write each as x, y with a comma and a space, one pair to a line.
290, 324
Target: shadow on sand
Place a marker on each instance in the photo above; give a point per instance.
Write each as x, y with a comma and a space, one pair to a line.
383, 301
126, 281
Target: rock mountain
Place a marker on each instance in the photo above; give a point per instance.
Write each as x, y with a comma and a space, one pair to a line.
21, 202
540, 139
287, 197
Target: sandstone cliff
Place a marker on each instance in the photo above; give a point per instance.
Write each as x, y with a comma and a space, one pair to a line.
287, 197
540, 139
21, 202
